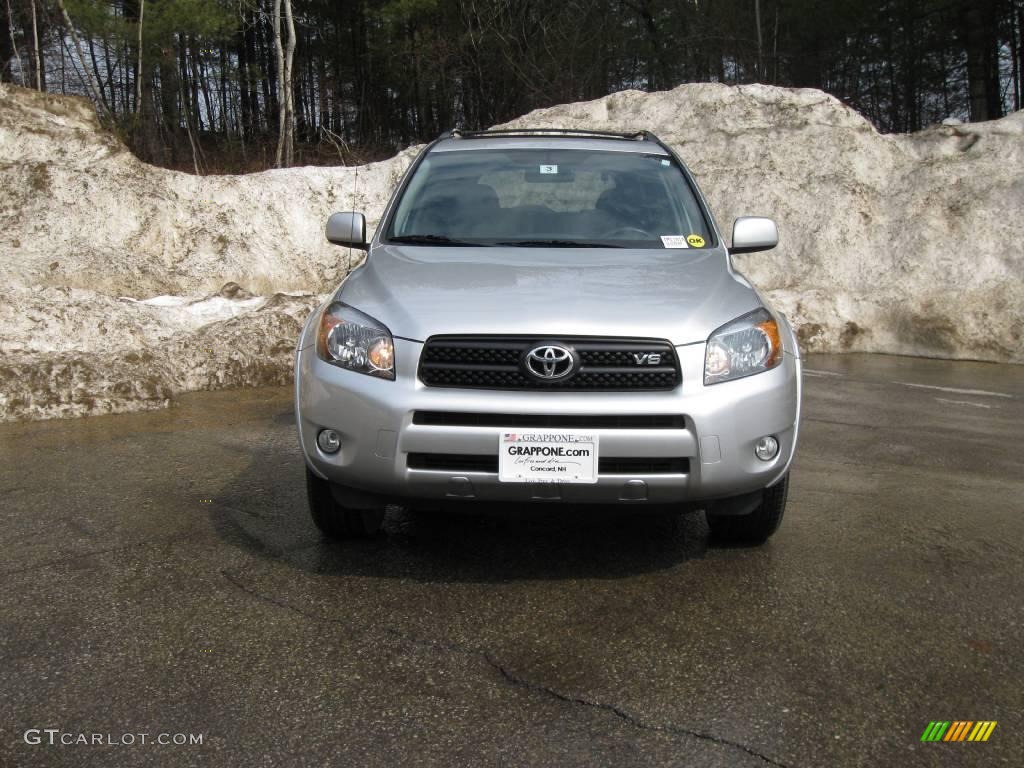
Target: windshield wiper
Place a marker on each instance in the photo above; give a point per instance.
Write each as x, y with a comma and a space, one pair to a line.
558, 244
430, 240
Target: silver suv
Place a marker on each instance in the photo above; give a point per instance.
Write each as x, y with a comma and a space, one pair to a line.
548, 316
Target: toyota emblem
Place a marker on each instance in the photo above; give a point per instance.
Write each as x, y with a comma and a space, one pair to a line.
550, 362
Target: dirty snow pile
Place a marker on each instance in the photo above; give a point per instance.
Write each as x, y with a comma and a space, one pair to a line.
903, 244
122, 284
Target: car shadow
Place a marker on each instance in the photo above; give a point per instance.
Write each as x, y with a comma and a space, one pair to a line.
263, 510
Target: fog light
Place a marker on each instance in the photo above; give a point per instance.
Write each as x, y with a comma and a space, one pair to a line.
328, 440
767, 448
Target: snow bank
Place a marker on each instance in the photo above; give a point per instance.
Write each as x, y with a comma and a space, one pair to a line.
76, 352
909, 244
117, 278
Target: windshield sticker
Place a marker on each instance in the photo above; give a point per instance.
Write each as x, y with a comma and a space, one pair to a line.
549, 169
674, 241
695, 241
665, 162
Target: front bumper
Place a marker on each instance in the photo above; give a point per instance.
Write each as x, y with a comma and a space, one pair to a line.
375, 420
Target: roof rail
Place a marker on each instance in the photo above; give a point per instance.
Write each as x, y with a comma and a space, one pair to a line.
568, 132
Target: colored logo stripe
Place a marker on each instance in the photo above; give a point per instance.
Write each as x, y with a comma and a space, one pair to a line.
958, 730
982, 730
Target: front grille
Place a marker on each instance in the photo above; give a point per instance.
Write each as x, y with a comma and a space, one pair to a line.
453, 462
471, 462
641, 421
643, 466
491, 362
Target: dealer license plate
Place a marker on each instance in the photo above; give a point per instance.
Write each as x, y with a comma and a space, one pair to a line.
548, 456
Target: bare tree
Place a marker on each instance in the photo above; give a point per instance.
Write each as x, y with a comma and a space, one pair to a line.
285, 98
196, 150
760, 43
138, 77
981, 43
281, 107
288, 78
90, 78
14, 44
35, 40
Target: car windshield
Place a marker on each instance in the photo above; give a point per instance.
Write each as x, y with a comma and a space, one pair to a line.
549, 198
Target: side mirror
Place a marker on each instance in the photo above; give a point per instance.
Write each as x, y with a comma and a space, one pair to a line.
753, 233
347, 229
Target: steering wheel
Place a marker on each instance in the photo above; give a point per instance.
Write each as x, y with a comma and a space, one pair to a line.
644, 234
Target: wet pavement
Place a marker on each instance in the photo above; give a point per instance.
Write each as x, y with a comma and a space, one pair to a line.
160, 576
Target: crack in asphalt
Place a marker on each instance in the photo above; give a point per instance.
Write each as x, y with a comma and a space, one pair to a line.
508, 676
625, 716
280, 603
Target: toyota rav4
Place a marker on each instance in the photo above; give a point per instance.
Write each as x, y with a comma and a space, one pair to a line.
548, 317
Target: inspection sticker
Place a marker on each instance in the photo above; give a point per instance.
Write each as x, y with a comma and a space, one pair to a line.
548, 456
674, 241
695, 241
549, 169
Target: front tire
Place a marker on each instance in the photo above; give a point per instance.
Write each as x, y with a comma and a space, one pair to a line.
754, 527
334, 520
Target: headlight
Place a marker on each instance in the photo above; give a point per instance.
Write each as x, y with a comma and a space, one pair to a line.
349, 339
748, 345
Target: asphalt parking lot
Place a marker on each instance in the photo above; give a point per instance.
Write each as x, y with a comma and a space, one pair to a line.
160, 576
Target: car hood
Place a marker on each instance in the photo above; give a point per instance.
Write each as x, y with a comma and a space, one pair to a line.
418, 292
